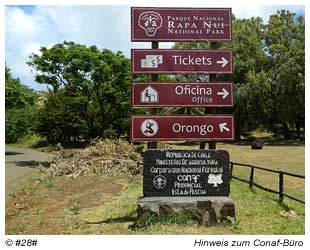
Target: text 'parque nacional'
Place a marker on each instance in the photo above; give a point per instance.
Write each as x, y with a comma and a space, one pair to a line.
180, 24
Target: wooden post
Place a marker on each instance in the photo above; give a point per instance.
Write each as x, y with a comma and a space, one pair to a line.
251, 177
153, 111
231, 169
212, 77
281, 186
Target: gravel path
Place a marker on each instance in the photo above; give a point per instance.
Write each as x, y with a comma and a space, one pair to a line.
20, 163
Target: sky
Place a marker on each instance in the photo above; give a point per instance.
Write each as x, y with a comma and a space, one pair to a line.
27, 28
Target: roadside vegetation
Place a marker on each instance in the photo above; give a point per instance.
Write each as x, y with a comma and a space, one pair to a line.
106, 203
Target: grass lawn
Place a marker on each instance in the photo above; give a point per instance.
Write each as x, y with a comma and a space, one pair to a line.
286, 158
66, 206
257, 212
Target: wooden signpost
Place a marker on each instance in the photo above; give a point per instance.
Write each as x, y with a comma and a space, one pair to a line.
183, 173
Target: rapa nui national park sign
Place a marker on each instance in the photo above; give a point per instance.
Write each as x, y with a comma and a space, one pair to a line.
180, 24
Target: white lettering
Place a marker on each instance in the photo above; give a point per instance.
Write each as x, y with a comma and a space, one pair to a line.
192, 90
189, 60
200, 129
188, 177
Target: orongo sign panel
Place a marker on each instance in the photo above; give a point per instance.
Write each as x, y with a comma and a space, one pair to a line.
175, 128
182, 94
165, 61
180, 24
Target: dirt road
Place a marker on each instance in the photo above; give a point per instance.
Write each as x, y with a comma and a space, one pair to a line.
19, 164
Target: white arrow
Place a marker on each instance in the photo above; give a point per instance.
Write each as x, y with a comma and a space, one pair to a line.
223, 127
223, 61
224, 93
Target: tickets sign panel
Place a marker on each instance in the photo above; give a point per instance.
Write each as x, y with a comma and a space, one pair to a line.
164, 61
176, 128
181, 24
218, 94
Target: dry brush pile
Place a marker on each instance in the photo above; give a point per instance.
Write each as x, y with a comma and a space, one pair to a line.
102, 157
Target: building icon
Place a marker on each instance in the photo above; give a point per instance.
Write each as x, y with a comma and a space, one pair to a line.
149, 95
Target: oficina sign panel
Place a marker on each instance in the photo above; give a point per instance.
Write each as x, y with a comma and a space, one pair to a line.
181, 24
219, 94
176, 128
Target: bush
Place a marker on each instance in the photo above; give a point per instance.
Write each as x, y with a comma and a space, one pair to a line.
18, 123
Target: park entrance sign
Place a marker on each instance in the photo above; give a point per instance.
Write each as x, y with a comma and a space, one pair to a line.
167, 61
195, 182
153, 94
180, 24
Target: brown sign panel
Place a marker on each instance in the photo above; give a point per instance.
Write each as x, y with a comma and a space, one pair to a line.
182, 94
165, 61
181, 24
177, 127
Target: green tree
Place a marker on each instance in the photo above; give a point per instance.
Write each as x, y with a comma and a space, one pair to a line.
17, 95
268, 73
20, 108
284, 39
96, 81
59, 120
249, 59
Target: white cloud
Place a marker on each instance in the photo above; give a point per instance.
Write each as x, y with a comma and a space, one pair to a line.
248, 11
17, 18
103, 26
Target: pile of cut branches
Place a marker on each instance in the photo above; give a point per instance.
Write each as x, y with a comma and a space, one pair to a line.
102, 157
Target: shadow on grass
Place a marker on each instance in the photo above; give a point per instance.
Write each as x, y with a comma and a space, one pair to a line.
32, 163
269, 141
281, 204
13, 153
131, 217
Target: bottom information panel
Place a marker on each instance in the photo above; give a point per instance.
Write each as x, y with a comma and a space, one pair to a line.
186, 173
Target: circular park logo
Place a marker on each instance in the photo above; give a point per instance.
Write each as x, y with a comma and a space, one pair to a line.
150, 21
149, 127
159, 182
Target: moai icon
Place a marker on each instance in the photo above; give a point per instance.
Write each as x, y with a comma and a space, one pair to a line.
150, 21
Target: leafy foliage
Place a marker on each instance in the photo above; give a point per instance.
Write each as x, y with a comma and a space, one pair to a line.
284, 39
19, 108
89, 92
268, 73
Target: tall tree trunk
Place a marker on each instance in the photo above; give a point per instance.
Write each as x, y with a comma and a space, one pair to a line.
286, 131
297, 126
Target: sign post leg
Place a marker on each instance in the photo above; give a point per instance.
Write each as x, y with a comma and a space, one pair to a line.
153, 111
